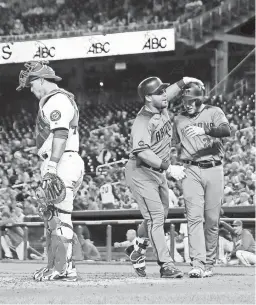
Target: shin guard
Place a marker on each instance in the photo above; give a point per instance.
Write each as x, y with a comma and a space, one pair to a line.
136, 254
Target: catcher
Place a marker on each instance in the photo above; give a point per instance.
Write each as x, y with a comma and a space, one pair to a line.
62, 169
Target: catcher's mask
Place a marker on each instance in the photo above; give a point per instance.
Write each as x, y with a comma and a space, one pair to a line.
35, 70
193, 92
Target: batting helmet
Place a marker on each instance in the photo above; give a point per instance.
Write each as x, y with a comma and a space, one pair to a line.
151, 85
193, 92
34, 70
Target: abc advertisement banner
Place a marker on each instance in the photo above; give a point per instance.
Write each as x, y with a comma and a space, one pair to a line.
88, 46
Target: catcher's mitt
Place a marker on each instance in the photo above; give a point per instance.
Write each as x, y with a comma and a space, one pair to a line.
54, 188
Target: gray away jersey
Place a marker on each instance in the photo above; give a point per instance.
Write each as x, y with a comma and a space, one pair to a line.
203, 147
151, 130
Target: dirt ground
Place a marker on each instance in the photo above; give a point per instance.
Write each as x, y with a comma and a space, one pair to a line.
103, 283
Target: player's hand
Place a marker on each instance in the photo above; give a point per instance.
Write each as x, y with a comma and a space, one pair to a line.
193, 131
176, 171
188, 80
116, 245
51, 169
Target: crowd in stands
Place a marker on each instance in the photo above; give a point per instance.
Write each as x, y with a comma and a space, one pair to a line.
58, 16
20, 166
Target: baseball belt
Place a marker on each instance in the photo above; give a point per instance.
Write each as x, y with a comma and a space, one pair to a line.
45, 156
159, 170
203, 164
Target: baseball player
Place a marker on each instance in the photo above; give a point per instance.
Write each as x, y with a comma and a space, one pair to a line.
151, 136
199, 129
57, 141
108, 195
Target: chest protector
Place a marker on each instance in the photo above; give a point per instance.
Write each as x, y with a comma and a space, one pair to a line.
42, 129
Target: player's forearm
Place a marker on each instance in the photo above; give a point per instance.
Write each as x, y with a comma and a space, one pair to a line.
221, 131
150, 158
227, 227
173, 90
60, 137
58, 148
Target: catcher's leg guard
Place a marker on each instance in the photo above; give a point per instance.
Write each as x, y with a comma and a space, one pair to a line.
136, 254
60, 251
38, 274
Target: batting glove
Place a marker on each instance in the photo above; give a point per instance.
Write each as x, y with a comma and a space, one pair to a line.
193, 131
176, 171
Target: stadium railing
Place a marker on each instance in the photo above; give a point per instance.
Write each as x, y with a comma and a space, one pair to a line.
195, 28
109, 224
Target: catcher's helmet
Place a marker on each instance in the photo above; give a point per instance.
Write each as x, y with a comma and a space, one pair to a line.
193, 92
34, 70
151, 85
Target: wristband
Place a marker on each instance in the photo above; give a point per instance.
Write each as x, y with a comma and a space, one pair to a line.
218, 132
181, 84
52, 164
165, 164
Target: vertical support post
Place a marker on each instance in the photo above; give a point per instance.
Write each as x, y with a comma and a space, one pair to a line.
172, 240
201, 24
79, 230
109, 243
25, 240
191, 31
0, 243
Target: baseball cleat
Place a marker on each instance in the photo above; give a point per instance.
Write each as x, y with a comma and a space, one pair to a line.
45, 274
39, 273
208, 272
170, 272
138, 261
196, 272
69, 276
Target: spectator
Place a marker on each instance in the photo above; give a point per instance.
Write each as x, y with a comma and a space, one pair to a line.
130, 239
92, 204
244, 244
226, 245
6, 249
243, 199
14, 236
17, 213
90, 252
228, 199
108, 195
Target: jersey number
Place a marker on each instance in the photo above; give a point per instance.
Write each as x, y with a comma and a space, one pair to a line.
104, 189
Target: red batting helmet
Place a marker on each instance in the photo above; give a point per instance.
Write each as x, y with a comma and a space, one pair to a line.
193, 92
151, 85
34, 70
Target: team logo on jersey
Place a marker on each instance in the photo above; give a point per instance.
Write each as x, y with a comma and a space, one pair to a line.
141, 143
55, 115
